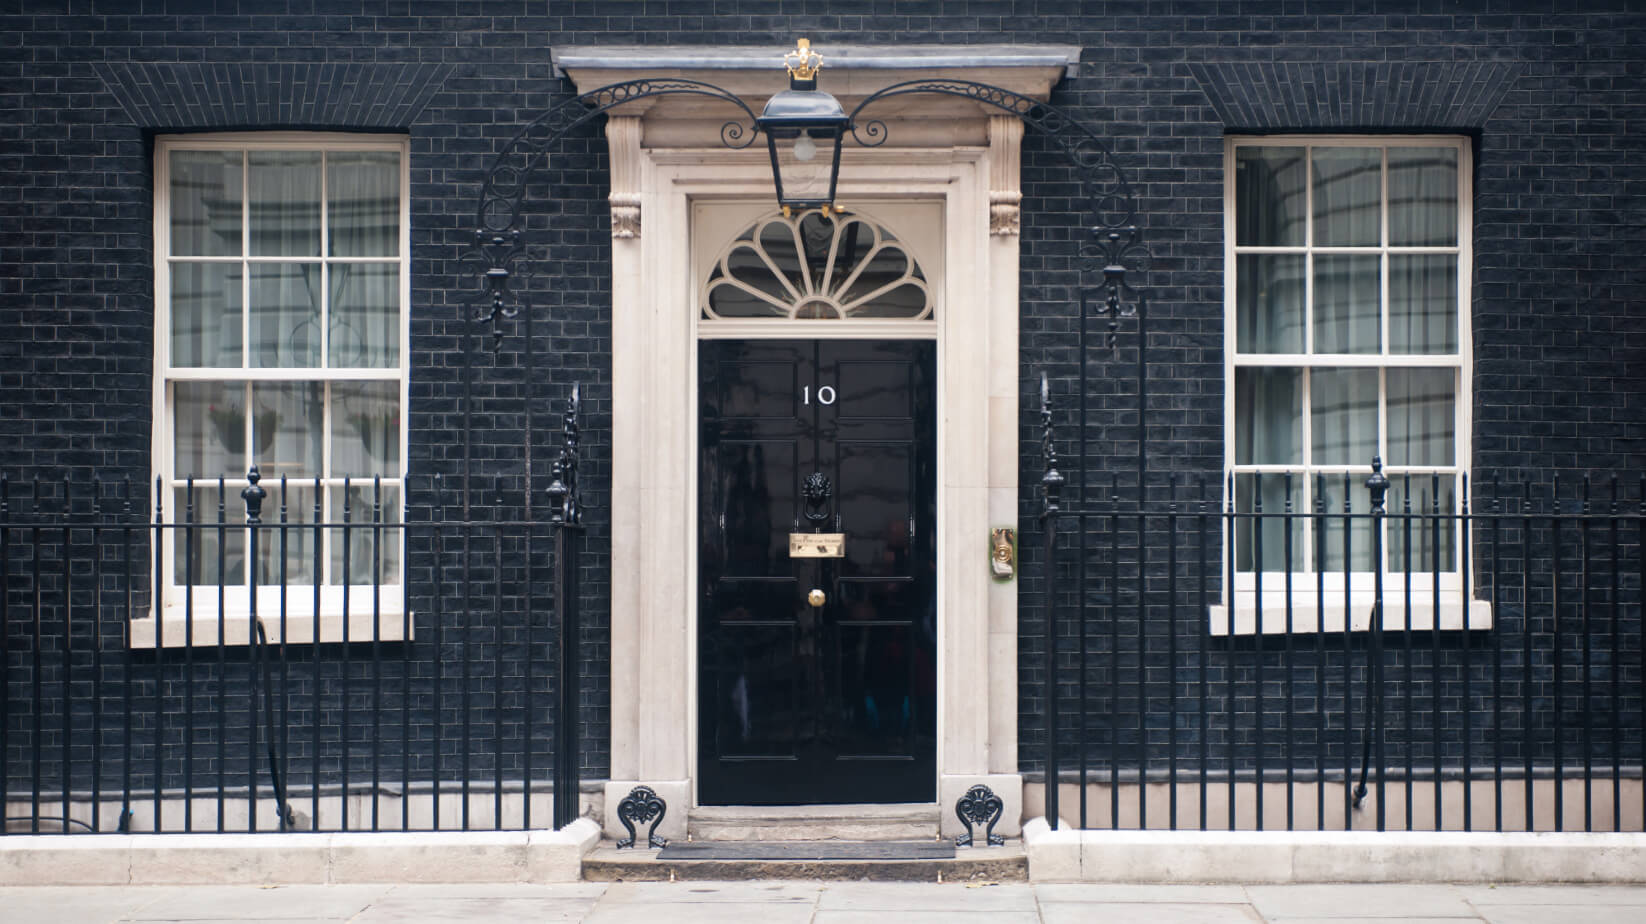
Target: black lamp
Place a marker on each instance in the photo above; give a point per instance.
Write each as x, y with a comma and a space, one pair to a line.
812, 120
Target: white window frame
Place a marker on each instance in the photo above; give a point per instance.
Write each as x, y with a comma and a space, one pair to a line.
1351, 604
374, 613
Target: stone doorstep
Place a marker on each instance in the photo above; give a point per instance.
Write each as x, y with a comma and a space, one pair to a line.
813, 823
292, 859
1251, 857
1008, 863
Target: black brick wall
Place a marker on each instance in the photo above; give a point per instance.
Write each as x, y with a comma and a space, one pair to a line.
1550, 92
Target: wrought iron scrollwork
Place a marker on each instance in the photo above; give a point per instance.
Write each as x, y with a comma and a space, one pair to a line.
979, 807
1051, 480
1117, 253
567, 508
496, 258
642, 806
816, 489
1116, 245
1113, 202
498, 255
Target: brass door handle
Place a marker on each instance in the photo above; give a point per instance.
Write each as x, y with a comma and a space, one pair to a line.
816, 597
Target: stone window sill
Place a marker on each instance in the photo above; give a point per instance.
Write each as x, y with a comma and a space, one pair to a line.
1306, 617
382, 619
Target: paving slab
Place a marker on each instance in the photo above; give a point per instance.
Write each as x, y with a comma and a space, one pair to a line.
1554, 894
1279, 902
1554, 914
1146, 913
1474, 920
76, 904
558, 890
255, 903
475, 911
1126, 892
927, 917
697, 892
241, 920
702, 913
926, 896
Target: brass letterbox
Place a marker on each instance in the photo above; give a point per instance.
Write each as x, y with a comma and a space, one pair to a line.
817, 545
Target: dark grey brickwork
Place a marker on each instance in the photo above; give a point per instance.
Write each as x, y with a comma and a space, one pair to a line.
212, 97
1550, 92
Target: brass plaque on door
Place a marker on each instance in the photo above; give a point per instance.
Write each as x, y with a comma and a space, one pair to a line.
817, 545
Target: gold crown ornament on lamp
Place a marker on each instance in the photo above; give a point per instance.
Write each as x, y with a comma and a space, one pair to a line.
803, 65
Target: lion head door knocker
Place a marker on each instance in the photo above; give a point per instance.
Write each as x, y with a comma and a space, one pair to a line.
817, 490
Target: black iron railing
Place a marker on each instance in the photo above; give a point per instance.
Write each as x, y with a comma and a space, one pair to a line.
446, 698
1416, 664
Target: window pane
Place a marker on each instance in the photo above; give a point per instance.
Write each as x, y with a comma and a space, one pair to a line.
1422, 303
362, 538
365, 429
1275, 526
285, 426
1423, 197
1347, 293
1347, 185
298, 536
285, 315
1343, 416
1268, 414
200, 542
284, 188
205, 315
1422, 416
1269, 303
1338, 536
363, 202
1270, 197
365, 316
1420, 529
205, 203
209, 429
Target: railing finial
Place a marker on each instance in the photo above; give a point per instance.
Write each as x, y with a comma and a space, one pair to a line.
253, 495
1378, 484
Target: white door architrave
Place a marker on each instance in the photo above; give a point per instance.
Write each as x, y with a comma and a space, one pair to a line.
662, 163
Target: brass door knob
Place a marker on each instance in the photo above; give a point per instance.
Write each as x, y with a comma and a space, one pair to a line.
816, 597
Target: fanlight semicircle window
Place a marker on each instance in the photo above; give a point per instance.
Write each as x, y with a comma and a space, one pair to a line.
811, 266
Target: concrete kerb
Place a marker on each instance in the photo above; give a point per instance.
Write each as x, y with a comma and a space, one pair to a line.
1249, 857
292, 859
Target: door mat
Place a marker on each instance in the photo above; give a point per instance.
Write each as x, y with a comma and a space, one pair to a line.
810, 850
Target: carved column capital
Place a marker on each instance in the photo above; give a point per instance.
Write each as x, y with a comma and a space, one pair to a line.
1005, 181
623, 143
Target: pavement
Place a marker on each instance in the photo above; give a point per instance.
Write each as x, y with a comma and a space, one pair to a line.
824, 903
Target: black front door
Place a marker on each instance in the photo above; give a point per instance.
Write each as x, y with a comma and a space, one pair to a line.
817, 675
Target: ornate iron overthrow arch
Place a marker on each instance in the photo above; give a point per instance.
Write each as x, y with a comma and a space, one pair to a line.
499, 251
1115, 246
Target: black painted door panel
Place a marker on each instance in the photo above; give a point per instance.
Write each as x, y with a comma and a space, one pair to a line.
817, 704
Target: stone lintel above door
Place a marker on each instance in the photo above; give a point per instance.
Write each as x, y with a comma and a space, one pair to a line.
850, 73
